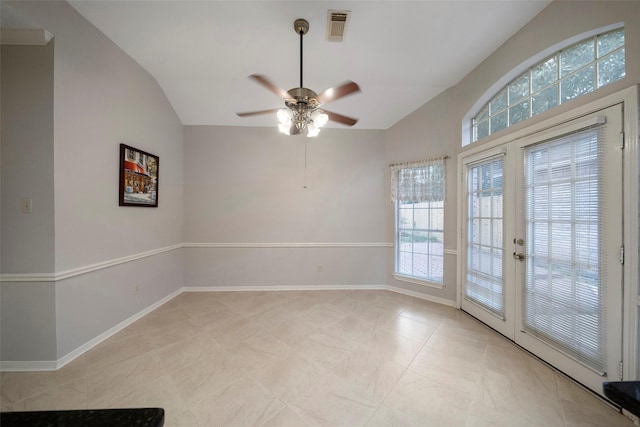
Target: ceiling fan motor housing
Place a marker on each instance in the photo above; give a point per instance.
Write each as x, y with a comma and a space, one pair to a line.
302, 95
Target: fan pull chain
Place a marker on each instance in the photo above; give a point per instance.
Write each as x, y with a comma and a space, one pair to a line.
305, 163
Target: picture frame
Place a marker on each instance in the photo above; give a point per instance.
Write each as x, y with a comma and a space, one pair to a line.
139, 173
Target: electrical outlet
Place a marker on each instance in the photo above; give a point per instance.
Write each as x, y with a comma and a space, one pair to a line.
319, 268
136, 290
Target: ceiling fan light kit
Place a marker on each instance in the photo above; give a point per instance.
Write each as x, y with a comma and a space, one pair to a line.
302, 112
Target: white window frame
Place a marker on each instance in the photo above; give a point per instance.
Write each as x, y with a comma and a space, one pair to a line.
420, 280
430, 192
503, 82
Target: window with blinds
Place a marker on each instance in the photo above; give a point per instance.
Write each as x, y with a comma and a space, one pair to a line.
565, 281
418, 191
484, 281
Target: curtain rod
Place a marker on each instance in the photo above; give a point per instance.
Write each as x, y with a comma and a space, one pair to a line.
420, 161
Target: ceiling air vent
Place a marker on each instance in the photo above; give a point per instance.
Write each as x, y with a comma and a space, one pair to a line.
337, 24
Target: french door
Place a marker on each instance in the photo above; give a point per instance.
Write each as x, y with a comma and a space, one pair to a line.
542, 240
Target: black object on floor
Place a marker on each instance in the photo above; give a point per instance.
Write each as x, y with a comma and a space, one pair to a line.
134, 417
624, 393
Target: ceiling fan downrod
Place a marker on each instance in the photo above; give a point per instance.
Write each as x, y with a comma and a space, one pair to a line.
302, 27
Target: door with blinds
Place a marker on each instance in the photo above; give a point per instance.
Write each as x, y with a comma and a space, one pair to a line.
485, 294
543, 240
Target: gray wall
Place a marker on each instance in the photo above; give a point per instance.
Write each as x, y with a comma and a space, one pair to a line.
418, 138
27, 325
27, 159
91, 304
246, 185
101, 97
435, 128
28, 322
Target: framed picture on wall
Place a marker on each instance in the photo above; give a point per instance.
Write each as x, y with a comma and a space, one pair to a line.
138, 177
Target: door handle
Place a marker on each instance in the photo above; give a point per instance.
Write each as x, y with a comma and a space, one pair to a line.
519, 257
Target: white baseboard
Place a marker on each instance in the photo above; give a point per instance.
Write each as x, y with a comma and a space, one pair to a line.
253, 288
109, 333
28, 365
52, 365
289, 245
419, 295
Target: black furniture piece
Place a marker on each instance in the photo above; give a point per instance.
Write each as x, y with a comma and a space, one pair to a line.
624, 393
134, 417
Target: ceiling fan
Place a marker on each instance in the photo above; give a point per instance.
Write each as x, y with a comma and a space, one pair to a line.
303, 112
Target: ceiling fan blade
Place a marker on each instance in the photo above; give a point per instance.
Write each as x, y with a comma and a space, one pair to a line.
340, 118
273, 88
334, 93
257, 113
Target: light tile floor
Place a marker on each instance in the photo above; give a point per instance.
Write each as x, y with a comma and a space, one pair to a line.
314, 358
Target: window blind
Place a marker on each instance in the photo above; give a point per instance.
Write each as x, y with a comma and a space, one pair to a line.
565, 274
484, 281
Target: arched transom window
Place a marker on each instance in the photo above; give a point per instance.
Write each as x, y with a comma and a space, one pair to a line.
567, 74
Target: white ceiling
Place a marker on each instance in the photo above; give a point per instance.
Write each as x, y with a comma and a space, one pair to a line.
401, 53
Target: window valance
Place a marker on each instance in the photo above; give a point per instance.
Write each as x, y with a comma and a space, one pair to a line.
422, 181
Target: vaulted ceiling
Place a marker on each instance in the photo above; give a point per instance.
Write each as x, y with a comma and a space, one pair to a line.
401, 53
